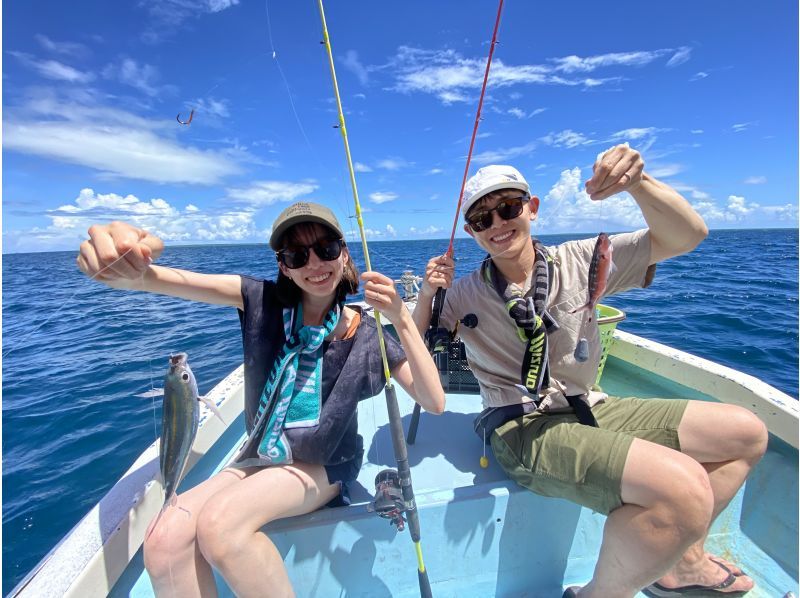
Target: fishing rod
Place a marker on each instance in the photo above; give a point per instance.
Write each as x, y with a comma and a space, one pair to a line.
437, 338
386, 482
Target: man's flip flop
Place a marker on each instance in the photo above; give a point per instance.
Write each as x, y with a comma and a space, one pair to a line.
727, 564
656, 590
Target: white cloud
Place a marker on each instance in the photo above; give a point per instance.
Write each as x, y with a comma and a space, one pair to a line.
351, 63
698, 76
67, 48
572, 64
787, 212
755, 180
501, 155
681, 55
517, 112
392, 164
635, 133
390, 230
567, 206
663, 171
739, 127
167, 15
211, 106
435, 171
380, 197
694, 192
265, 193
359, 167
739, 207
70, 222
119, 151
52, 69
143, 77
453, 78
697, 131
431, 230
370, 233
566, 138
114, 142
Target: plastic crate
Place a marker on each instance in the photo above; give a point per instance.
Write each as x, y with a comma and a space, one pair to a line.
607, 319
454, 371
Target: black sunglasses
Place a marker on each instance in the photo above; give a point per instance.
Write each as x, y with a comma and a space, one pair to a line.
508, 209
296, 257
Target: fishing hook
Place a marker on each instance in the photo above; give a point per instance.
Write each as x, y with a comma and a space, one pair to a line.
188, 121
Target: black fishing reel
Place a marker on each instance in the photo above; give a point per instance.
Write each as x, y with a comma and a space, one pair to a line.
437, 339
388, 502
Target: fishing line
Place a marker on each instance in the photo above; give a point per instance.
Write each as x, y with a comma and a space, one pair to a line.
340, 181
283, 77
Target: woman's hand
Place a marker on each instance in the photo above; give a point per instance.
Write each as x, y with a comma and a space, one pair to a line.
380, 292
118, 252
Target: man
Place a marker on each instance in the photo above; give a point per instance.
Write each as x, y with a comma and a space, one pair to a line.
661, 469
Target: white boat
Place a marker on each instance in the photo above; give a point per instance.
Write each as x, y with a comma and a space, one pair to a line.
482, 535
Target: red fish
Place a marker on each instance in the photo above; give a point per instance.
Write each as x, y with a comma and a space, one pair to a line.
599, 270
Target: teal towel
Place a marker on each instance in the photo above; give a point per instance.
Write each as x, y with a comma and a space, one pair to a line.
295, 383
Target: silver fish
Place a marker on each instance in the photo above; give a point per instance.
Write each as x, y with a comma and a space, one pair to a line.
180, 420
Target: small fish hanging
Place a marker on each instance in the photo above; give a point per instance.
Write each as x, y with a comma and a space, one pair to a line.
188, 121
600, 269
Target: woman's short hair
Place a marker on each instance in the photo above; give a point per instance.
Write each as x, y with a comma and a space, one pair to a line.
287, 291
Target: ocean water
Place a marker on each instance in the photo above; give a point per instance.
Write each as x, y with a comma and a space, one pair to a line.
75, 352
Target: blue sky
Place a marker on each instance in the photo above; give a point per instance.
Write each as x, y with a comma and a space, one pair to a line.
706, 90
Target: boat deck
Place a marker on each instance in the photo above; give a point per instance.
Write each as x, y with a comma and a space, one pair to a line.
483, 535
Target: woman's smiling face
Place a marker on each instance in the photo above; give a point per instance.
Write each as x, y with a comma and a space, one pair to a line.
317, 277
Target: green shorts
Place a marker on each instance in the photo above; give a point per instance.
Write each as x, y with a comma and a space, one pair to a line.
554, 455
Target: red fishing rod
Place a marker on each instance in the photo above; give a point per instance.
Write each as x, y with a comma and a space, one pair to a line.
436, 338
475, 127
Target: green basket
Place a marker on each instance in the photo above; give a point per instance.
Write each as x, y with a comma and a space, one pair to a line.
607, 320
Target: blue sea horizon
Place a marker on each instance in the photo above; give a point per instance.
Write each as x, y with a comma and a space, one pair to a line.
75, 353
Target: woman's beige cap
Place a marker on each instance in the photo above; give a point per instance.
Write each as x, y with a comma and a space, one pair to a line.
302, 211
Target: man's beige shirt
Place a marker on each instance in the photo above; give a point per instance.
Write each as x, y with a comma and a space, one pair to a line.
495, 351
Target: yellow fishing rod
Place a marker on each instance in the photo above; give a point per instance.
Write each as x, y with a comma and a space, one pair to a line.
387, 480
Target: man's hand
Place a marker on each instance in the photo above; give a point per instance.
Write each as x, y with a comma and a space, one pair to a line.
438, 274
617, 169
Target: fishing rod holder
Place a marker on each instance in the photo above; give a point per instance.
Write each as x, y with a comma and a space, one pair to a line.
389, 502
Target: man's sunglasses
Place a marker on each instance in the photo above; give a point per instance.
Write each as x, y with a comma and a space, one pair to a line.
296, 257
508, 209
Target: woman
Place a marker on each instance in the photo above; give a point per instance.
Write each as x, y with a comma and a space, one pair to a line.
287, 466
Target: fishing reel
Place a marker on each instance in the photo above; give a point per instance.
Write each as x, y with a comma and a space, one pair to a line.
437, 339
388, 502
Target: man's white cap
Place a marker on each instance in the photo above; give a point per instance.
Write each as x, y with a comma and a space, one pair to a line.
491, 178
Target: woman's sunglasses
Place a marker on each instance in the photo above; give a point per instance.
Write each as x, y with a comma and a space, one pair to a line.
296, 257
508, 209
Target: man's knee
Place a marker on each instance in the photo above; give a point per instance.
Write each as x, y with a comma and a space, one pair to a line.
683, 499
751, 434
